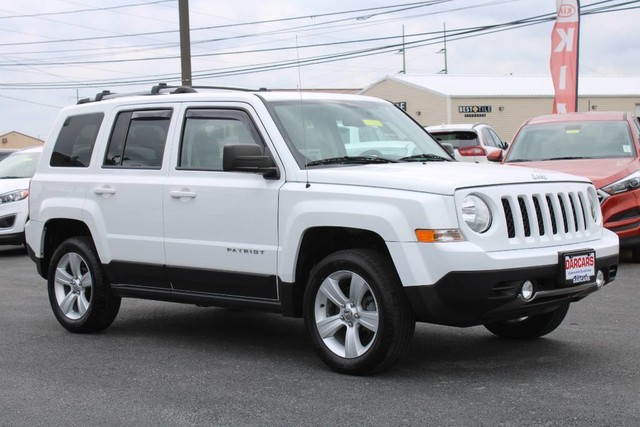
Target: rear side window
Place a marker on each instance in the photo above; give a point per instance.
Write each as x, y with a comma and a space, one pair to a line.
138, 139
76, 140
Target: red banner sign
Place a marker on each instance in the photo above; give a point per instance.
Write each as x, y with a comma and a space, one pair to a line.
564, 56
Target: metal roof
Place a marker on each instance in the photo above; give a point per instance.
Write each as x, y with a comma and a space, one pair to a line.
460, 85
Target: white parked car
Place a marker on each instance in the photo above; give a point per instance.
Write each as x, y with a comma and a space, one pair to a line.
471, 142
263, 200
15, 172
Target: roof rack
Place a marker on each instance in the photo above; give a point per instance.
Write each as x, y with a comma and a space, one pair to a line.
162, 88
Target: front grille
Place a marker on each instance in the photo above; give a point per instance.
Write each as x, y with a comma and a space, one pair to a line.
550, 214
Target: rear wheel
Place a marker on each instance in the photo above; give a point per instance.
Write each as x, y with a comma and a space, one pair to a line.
356, 312
79, 293
529, 327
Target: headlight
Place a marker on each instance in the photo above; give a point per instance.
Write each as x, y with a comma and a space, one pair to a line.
627, 183
14, 196
476, 213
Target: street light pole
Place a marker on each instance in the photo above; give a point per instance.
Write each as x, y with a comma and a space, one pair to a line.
445, 70
185, 42
404, 54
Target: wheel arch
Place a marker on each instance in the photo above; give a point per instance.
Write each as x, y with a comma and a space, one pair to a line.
317, 243
55, 232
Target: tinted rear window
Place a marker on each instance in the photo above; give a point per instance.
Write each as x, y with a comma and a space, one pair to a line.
76, 140
459, 139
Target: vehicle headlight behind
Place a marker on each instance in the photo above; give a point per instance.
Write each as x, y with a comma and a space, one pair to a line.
476, 213
627, 183
13, 196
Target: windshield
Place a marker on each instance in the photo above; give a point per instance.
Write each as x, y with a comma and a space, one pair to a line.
352, 132
18, 165
577, 140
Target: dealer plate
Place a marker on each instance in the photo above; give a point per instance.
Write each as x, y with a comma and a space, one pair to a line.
579, 267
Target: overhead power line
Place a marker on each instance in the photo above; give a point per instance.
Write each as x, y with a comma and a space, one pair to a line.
452, 35
122, 6
217, 27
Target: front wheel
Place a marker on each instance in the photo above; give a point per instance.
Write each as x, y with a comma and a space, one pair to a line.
79, 293
530, 327
356, 312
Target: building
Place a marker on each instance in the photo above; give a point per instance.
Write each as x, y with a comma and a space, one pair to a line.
504, 102
15, 140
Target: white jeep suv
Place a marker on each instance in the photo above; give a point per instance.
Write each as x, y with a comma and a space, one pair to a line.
257, 200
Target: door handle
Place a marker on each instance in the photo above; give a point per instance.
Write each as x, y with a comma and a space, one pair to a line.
184, 193
105, 190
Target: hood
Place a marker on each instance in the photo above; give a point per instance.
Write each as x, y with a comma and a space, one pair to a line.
601, 171
433, 177
9, 185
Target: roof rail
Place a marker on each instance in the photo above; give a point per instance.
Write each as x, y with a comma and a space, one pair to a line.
161, 88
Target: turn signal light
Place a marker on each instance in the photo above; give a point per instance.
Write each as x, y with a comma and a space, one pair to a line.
432, 236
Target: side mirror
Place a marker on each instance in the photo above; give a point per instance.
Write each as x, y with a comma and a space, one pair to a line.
495, 156
248, 158
449, 148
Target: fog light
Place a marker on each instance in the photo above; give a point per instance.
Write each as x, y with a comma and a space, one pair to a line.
526, 292
599, 279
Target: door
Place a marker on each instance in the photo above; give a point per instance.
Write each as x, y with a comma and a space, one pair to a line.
220, 227
126, 196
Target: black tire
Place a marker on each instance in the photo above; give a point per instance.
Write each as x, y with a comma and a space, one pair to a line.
368, 325
79, 292
530, 327
635, 255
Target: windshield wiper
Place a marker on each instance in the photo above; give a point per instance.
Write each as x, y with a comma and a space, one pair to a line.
11, 177
425, 158
565, 158
360, 160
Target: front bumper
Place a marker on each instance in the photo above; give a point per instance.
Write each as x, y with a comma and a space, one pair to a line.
467, 298
12, 239
12, 219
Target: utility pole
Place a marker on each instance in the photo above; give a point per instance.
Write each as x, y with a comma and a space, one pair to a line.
185, 42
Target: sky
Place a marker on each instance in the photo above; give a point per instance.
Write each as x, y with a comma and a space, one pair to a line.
55, 52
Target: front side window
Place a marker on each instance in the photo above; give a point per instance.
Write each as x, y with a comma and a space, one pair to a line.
496, 139
207, 131
75, 142
332, 132
572, 140
488, 138
138, 139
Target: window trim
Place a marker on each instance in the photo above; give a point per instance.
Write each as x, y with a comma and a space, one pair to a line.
141, 115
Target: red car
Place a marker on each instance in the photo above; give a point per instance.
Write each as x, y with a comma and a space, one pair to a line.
603, 146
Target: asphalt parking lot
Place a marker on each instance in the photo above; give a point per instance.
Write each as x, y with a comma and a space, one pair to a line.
173, 365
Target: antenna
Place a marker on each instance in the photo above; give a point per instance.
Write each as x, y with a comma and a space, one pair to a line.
304, 128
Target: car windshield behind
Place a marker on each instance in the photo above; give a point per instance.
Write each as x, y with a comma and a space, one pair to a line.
577, 140
19, 165
347, 132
